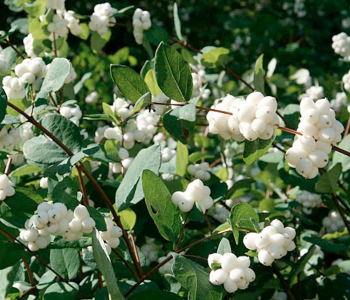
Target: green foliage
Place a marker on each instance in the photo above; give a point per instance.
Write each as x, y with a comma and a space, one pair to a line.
103, 262
180, 122
129, 82
195, 279
160, 207
243, 216
256, 149
3, 104
66, 262
259, 75
173, 73
328, 181
55, 77
215, 57
130, 190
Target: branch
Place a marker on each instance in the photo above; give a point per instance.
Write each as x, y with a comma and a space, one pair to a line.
8, 42
284, 283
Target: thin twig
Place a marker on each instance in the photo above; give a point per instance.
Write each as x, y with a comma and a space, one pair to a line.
181, 233
8, 166
284, 283
85, 199
29, 272
135, 250
347, 127
125, 262
150, 273
8, 42
341, 212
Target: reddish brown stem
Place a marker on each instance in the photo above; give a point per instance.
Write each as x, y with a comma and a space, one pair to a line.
347, 127
181, 233
284, 283
29, 271
341, 212
135, 250
8, 42
125, 262
8, 166
85, 198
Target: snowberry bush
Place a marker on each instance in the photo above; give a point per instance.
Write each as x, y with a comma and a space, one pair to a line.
154, 168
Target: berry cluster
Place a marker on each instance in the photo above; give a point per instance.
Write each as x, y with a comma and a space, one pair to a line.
196, 192
317, 123
58, 27
125, 161
28, 42
234, 272
73, 23
161, 98
112, 235
221, 213
272, 242
9, 138
6, 187
102, 18
168, 153
340, 100
309, 201
315, 92
56, 219
140, 21
150, 250
72, 113
252, 118
346, 81
199, 171
341, 45
92, 98
36, 239
333, 222
29, 71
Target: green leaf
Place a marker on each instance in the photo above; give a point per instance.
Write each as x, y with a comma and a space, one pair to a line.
24, 200
164, 213
180, 122
61, 290
98, 218
241, 215
224, 246
256, 149
259, 75
111, 148
328, 181
341, 158
194, 278
14, 253
154, 295
55, 77
151, 82
103, 262
97, 41
3, 104
173, 73
65, 192
196, 156
65, 261
215, 57
128, 218
66, 131
292, 114
177, 23
130, 190
181, 159
25, 170
239, 188
8, 277
143, 102
327, 245
43, 151
129, 82
156, 35
301, 263
110, 113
